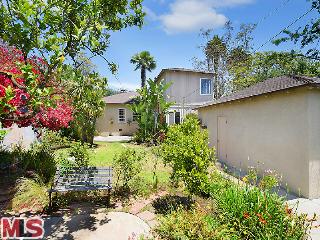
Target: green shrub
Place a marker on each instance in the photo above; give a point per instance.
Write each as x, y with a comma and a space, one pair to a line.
80, 153
2, 134
194, 224
186, 149
255, 213
127, 165
38, 159
31, 195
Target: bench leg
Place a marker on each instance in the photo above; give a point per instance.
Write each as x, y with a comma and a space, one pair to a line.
109, 197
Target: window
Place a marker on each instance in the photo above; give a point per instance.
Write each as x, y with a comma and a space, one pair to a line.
205, 86
121, 115
135, 116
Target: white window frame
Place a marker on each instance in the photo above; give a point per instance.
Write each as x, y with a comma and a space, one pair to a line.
206, 94
124, 111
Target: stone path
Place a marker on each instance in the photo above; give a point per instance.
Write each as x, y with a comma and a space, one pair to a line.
148, 215
111, 226
113, 139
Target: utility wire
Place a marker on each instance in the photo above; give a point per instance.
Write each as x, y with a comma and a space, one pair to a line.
286, 28
274, 11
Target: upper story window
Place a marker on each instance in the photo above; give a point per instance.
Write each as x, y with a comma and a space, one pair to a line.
121, 115
205, 86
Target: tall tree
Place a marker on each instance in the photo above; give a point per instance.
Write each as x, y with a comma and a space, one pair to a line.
85, 89
221, 52
145, 62
307, 36
151, 108
263, 65
60, 29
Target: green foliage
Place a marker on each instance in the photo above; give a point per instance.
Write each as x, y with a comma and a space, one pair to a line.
31, 195
80, 153
127, 165
39, 159
307, 36
85, 89
151, 108
222, 51
235, 212
3, 133
256, 214
193, 224
186, 149
60, 29
145, 62
264, 65
76, 155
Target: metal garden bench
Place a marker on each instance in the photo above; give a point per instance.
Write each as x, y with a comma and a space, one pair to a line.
81, 179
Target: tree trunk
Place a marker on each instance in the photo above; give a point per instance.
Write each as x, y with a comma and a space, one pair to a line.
143, 77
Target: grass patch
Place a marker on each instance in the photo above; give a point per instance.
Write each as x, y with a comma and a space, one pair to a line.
104, 153
154, 174
31, 196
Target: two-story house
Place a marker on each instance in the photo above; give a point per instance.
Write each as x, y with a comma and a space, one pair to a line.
189, 89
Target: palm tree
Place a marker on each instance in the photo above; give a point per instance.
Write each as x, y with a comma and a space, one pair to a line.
143, 61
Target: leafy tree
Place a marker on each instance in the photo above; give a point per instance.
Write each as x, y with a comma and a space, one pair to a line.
85, 89
186, 149
145, 62
26, 96
307, 35
151, 107
264, 65
221, 52
61, 29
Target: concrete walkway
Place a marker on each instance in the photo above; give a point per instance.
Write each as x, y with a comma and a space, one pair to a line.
312, 209
102, 226
113, 139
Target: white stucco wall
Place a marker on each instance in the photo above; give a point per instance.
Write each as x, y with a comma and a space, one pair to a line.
108, 123
278, 131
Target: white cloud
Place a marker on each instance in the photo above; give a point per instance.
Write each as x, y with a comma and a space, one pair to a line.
191, 15
228, 3
151, 14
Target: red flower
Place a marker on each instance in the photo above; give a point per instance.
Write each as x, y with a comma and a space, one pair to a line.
246, 215
288, 210
261, 219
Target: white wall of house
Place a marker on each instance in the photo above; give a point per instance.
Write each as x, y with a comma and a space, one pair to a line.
185, 92
110, 123
278, 131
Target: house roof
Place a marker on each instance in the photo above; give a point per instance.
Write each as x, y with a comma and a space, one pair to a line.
125, 97
180, 70
267, 86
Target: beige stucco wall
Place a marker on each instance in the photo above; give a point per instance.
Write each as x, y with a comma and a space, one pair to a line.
278, 131
108, 123
185, 84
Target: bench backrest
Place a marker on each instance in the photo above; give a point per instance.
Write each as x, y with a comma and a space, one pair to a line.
82, 179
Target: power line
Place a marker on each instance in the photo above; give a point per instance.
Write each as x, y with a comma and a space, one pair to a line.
274, 11
286, 28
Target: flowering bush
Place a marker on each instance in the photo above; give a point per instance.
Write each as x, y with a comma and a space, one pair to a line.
27, 97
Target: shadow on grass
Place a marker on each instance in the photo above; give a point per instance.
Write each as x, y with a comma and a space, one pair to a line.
169, 203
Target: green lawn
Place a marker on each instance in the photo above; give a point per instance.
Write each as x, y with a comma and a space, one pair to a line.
104, 153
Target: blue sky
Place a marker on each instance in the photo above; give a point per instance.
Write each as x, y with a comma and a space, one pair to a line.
171, 32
